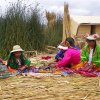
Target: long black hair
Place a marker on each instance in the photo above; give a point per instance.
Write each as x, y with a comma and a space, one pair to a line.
94, 45
71, 41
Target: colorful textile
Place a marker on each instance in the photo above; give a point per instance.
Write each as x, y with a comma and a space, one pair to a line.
89, 72
46, 57
3, 71
81, 64
5, 74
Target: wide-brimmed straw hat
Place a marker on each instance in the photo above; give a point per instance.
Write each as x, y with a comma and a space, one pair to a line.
92, 37
16, 48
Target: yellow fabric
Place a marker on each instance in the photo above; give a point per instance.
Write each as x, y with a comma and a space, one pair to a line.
81, 64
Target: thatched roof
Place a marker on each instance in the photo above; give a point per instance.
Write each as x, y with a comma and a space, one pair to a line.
76, 21
92, 20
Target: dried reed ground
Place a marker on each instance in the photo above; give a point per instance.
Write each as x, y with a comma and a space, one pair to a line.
50, 88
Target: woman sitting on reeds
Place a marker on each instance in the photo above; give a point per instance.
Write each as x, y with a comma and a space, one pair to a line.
71, 56
63, 47
90, 56
17, 61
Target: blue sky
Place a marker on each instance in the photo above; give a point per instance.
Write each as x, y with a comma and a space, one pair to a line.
76, 7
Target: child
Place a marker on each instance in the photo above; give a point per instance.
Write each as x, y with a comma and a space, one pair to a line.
17, 60
60, 53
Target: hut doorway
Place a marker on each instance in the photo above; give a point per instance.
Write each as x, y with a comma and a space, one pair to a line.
93, 29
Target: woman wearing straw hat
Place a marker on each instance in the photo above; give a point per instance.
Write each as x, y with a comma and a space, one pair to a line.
17, 60
90, 55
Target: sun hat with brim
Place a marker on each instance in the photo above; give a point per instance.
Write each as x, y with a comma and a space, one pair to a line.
16, 48
92, 37
62, 47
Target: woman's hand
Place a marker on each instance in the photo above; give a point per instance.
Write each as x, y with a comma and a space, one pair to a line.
87, 65
52, 64
23, 67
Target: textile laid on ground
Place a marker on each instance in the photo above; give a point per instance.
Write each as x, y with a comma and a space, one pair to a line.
89, 72
4, 73
56, 73
41, 69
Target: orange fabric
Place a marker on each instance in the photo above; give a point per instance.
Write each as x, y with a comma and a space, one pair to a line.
11, 70
57, 72
98, 68
80, 65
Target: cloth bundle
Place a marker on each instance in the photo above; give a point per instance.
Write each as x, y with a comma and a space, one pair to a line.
3, 71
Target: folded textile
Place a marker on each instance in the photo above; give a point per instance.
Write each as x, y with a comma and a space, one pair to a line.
89, 72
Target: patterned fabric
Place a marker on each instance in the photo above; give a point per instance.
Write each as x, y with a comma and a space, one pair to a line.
3, 71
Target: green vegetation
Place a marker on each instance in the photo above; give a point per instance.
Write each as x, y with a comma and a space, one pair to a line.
21, 25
